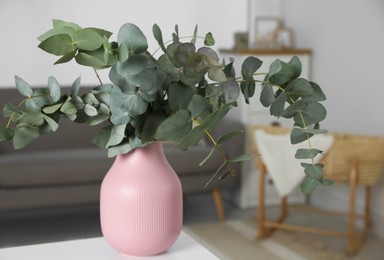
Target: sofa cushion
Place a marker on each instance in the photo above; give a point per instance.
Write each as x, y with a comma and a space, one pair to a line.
53, 167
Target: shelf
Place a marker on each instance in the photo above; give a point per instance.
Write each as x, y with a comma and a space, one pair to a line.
267, 51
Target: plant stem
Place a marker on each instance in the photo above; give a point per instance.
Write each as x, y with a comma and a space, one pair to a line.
217, 146
97, 75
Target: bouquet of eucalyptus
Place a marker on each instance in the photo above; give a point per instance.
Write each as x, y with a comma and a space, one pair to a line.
177, 94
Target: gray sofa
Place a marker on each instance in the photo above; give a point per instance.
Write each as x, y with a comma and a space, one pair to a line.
65, 168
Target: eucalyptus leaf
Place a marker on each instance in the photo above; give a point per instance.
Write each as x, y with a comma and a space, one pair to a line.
180, 96
307, 153
133, 37
54, 89
158, 36
52, 109
312, 113
250, 66
24, 135
314, 171
209, 40
267, 96
87, 39
66, 57
59, 44
191, 138
309, 185
280, 72
278, 105
241, 158
23, 87
6, 133
63, 24
10, 109
75, 86
175, 127
296, 66
51, 122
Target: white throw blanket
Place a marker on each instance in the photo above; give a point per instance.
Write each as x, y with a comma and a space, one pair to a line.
278, 155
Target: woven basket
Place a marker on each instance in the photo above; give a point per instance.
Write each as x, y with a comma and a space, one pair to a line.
368, 151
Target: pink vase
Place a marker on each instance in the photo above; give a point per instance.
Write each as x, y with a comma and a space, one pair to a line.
141, 203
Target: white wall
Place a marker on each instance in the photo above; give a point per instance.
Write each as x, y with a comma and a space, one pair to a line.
347, 37
23, 20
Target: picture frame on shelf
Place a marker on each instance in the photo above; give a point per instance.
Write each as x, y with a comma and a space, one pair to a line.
266, 29
284, 38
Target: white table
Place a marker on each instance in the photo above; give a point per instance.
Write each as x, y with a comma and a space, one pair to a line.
185, 248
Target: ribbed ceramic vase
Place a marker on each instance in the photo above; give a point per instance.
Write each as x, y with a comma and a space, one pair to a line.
141, 203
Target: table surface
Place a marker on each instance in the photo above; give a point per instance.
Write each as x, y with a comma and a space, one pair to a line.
185, 248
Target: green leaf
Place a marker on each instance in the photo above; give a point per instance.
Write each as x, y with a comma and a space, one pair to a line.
191, 138
76, 86
241, 158
280, 72
180, 96
248, 89
67, 57
151, 125
250, 66
327, 182
209, 155
217, 74
87, 39
51, 122
24, 135
213, 119
133, 37
175, 127
110, 136
23, 87
299, 87
62, 24
124, 106
54, 89
293, 109
231, 90
295, 64
309, 185
52, 109
228, 136
6, 133
9, 109
193, 40
312, 113
278, 104
68, 107
307, 153
63, 30
94, 59
209, 40
317, 94
59, 44
40, 98
267, 96
198, 106
299, 135
90, 110
314, 171
158, 36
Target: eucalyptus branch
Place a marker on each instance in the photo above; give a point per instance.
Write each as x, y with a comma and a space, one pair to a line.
98, 76
222, 155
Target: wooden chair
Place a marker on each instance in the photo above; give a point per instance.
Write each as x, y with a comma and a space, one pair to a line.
353, 159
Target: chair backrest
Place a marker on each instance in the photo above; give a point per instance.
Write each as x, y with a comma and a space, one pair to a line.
367, 151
